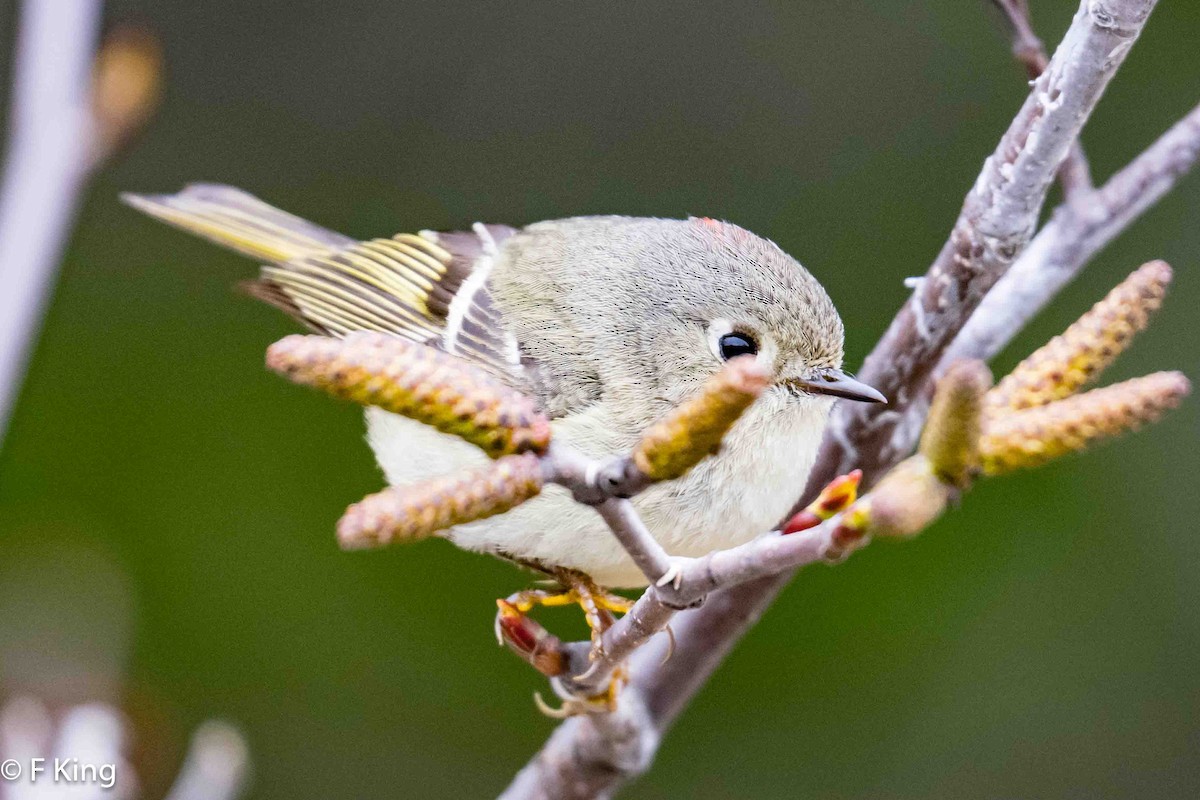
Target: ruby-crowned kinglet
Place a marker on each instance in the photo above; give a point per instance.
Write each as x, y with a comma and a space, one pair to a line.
608, 321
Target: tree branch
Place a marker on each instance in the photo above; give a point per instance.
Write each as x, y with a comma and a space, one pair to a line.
696, 578
1074, 234
998, 218
588, 755
1074, 175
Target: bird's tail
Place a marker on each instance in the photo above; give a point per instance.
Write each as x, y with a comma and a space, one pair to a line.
240, 221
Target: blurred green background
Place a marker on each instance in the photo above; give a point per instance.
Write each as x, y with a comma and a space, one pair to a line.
167, 506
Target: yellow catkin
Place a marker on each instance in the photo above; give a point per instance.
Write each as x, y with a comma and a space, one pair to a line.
410, 513
418, 382
694, 429
951, 437
1076, 358
1023, 439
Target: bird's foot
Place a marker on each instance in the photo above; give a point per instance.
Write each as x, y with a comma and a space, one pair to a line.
574, 588
548, 654
575, 705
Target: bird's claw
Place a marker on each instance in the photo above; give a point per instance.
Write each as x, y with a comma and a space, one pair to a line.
670, 644
574, 705
515, 628
673, 577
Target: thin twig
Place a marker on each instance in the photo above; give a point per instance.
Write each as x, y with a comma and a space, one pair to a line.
696, 578
1027, 48
631, 532
594, 483
49, 156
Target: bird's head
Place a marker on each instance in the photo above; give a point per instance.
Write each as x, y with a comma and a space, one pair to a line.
653, 307
735, 293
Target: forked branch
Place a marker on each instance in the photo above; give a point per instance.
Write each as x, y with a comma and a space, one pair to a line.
998, 218
1032, 416
973, 430
575, 762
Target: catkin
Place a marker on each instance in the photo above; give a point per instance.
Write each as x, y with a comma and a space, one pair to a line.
418, 511
951, 437
1023, 439
1074, 359
419, 382
694, 429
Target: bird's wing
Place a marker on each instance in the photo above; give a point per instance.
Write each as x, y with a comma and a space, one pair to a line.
427, 287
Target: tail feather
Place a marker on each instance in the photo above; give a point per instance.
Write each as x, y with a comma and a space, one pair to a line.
240, 221
427, 287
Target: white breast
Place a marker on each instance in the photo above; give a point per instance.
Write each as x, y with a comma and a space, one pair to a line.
728, 499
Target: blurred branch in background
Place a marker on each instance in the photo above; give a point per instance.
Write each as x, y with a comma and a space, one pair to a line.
66, 619
216, 767
93, 733
47, 162
71, 110
94, 740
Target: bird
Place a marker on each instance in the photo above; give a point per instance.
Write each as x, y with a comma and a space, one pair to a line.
608, 322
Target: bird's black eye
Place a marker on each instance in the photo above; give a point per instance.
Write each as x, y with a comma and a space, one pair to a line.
732, 345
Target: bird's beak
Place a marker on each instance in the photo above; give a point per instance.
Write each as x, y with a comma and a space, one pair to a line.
838, 384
